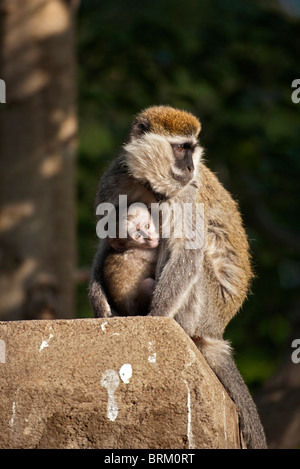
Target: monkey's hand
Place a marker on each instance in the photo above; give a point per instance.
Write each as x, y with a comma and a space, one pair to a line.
99, 301
97, 294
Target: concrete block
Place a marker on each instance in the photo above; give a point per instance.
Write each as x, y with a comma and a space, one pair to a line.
134, 382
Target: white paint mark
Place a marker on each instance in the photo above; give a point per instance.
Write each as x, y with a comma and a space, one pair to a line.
27, 431
152, 356
45, 343
2, 351
125, 372
104, 326
191, 356
190, 435
110, 380
12, 420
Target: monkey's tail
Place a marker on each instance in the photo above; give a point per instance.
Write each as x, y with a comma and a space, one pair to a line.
219, 357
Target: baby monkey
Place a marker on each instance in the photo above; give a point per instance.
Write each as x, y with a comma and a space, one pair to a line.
129, 268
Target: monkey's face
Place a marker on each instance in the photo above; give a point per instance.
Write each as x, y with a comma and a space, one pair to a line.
141, 230
166, 164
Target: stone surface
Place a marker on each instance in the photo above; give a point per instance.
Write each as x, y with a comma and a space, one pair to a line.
135, 382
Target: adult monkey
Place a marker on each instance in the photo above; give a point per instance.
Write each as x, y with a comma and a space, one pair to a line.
201, 288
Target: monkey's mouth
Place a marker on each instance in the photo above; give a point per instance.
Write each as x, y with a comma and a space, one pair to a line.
153, 243
183, 178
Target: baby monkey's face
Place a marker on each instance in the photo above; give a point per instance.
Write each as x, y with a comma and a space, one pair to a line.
141, 230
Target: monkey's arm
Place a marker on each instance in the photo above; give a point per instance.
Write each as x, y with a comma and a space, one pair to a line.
107, 192
177, 279
97, 295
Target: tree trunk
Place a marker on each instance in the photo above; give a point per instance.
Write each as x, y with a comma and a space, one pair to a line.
38, 126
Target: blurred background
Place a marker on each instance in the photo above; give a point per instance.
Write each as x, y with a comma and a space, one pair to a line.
76, 73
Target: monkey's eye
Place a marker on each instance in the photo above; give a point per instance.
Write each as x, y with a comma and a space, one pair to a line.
147, 226
180, 147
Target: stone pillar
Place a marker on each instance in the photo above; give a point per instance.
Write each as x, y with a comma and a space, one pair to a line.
134, 382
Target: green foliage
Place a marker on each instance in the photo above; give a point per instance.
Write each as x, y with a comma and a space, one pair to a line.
232, 64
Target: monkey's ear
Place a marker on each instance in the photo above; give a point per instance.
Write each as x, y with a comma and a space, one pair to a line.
139, 127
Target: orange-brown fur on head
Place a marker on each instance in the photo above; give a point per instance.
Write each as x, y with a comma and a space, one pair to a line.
168, 121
